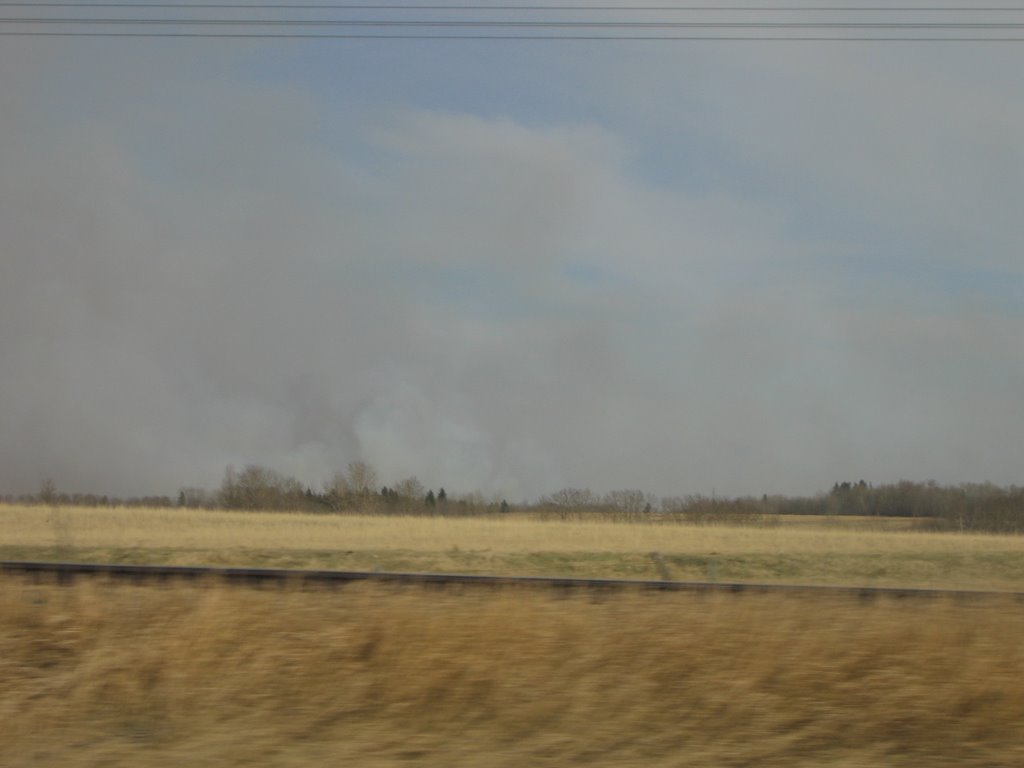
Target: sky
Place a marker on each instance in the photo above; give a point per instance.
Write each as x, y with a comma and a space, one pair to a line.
510, 267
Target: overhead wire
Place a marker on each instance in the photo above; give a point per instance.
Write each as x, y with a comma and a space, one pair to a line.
461, 23
584, 38
498, 7
523, 25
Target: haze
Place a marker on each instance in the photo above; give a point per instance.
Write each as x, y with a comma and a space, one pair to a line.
510, 267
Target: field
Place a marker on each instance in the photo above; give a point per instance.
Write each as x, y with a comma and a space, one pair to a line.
100, 674
797, 550
153, 676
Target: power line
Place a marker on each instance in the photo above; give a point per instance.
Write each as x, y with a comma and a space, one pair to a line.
505, 24
474, 27
590, 38
532, 8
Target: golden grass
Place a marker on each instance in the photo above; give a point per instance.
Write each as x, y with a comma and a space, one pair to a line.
144, 676
799, 552
137, 526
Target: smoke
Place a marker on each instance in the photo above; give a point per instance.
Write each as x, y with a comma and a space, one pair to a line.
223, 270
184, 298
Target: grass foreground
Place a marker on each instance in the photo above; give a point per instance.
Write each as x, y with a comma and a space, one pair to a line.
146, 676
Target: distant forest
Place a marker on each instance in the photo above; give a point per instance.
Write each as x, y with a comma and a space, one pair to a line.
968, 507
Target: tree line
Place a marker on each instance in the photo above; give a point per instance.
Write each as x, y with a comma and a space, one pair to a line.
965, 507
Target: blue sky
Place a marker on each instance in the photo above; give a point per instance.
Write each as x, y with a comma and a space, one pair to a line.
510, 267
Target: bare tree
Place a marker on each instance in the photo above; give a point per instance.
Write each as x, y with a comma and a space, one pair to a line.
410, 488
631, 502
362, 478
572, 497
337, 487
256, 487
47, 491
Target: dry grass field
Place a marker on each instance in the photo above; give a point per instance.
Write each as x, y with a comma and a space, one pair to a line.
95, 675
113, 675
801, 550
